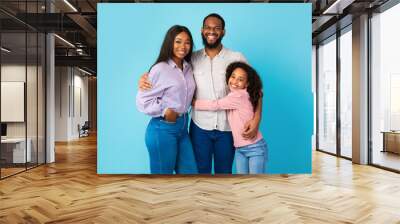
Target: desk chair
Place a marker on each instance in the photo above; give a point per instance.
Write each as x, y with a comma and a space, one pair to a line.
84, 130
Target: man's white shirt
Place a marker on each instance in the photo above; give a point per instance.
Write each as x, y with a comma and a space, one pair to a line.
210, 78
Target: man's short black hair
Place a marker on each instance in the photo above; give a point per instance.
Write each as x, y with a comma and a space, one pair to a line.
216, 16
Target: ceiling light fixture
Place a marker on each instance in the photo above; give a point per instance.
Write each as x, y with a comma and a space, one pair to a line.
84, 71
65, 41
337, 7
70, 5
79, 51
5, 50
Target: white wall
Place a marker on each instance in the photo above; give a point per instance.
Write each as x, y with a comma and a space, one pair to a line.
71, 102
15, 72
12, 73
80, 110
62, 81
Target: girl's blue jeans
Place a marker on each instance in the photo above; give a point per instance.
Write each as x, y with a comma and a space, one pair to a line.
251, 159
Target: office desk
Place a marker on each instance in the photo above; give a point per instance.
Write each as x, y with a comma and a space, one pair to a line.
391, 141
15, 148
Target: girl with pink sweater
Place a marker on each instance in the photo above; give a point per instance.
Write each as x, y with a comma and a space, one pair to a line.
245, 92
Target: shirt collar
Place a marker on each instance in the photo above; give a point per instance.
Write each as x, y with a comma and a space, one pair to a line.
173, 64
220, 54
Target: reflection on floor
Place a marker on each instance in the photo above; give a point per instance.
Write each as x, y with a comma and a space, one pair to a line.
386, 159
346, 152
10, 169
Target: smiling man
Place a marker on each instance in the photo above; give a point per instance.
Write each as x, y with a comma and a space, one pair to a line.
210, 132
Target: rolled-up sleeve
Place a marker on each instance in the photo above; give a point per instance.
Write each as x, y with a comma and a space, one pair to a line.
150, 101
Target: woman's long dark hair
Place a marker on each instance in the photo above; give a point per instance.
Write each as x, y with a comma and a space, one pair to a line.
254, 87
167, 47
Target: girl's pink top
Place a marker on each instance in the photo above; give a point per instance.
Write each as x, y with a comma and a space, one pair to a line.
240, 111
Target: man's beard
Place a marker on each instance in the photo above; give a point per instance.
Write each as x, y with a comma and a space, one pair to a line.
214, 45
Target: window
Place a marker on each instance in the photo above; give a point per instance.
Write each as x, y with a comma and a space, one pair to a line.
346, 93
385, 88
327, 95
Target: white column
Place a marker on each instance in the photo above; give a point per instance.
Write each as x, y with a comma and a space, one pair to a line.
50, 92
50, 100
360, 90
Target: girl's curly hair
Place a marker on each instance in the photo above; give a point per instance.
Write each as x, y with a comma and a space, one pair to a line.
254, 87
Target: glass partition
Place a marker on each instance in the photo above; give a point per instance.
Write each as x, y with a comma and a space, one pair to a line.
22, 77
32, 95
14, 153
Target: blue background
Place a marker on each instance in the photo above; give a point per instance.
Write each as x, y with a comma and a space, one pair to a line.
275, 39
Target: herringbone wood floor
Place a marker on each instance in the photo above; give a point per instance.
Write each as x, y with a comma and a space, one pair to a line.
70, 191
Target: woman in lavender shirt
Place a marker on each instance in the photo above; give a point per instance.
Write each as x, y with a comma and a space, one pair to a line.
167, 138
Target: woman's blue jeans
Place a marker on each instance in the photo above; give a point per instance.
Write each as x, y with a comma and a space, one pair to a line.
169, 146
251, 159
